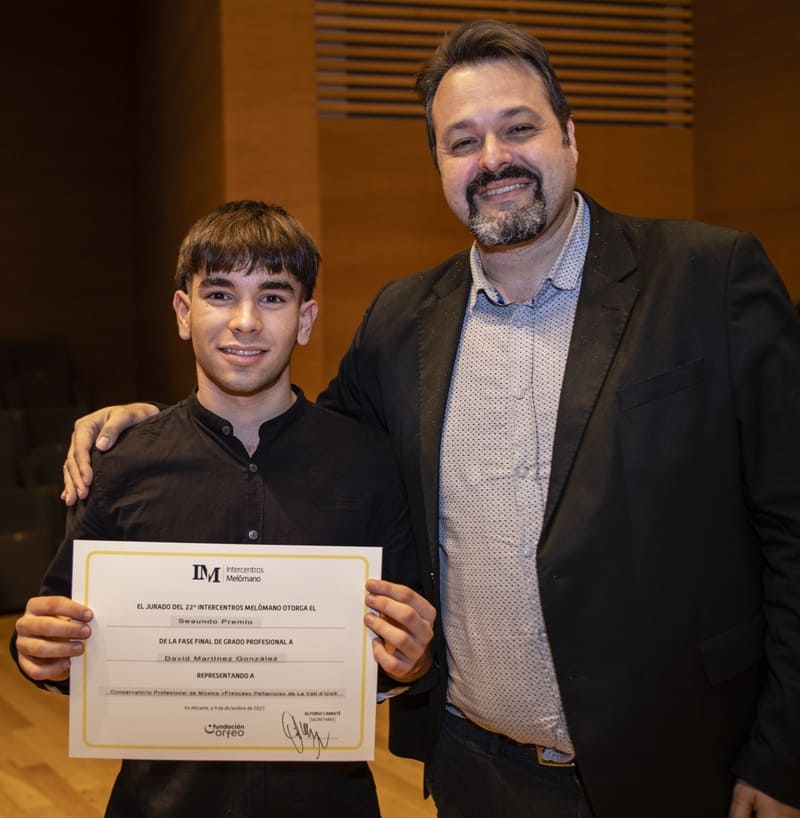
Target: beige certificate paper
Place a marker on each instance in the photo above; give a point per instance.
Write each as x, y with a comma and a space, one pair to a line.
224, 652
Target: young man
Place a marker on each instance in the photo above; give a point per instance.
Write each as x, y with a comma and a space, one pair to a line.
602, 459
244, 459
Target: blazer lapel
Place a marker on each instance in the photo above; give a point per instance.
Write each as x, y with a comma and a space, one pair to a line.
604, 305
438, 333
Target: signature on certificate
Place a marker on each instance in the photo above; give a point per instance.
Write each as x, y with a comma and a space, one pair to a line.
300, 732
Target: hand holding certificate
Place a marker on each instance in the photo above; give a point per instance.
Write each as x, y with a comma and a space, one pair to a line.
224, 652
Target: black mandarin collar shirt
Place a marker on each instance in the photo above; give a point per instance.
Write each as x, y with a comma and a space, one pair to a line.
316, 478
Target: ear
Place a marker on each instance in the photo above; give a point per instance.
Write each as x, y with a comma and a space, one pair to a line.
308, 315
573, 145
182, 304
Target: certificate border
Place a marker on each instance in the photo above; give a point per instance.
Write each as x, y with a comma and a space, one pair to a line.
226, 554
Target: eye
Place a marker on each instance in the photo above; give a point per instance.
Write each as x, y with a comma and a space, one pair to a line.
217, 295
273, 298
461, 147
521, 130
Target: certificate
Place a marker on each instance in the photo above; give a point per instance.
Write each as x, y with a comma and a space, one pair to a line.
224, 652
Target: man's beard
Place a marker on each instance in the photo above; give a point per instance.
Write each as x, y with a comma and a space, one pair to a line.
507, 227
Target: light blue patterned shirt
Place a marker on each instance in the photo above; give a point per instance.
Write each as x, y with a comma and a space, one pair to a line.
496, 453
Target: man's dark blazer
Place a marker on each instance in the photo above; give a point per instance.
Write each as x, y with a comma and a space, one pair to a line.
669, 560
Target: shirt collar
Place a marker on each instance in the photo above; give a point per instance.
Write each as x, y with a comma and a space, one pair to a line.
563, 275
268, 431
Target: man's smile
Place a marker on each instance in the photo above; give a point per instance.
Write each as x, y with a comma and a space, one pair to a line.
498, 191
242, 352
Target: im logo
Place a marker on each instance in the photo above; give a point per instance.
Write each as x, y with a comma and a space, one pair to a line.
202, 572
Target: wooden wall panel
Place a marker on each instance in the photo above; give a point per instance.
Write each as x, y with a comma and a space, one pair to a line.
636, 169
747, 124
269, 104
66, 177
383, 215
620, 63
224, 108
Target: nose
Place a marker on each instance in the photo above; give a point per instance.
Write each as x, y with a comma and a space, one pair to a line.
495, 154
246, 317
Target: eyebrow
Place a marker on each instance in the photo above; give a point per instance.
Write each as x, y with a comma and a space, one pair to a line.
269, 283
506, 113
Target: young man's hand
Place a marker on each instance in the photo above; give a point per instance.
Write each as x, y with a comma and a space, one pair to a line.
50, 632
404, 629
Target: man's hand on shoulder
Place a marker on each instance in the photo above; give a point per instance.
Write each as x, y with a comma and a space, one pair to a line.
101, 429
748, 802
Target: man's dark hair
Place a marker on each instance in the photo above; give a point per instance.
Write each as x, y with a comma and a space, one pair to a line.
247, 236
479, 41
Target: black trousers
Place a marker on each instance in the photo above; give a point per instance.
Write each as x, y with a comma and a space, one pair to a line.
477, 773
181, 789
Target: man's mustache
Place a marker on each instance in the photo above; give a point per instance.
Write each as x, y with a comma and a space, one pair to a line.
486, 177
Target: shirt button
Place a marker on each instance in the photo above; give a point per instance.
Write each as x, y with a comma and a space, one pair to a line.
226, 430
252, 534
523, 471
519, 392
253, 467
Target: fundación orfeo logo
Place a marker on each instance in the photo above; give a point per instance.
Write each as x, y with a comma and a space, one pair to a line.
225, 730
